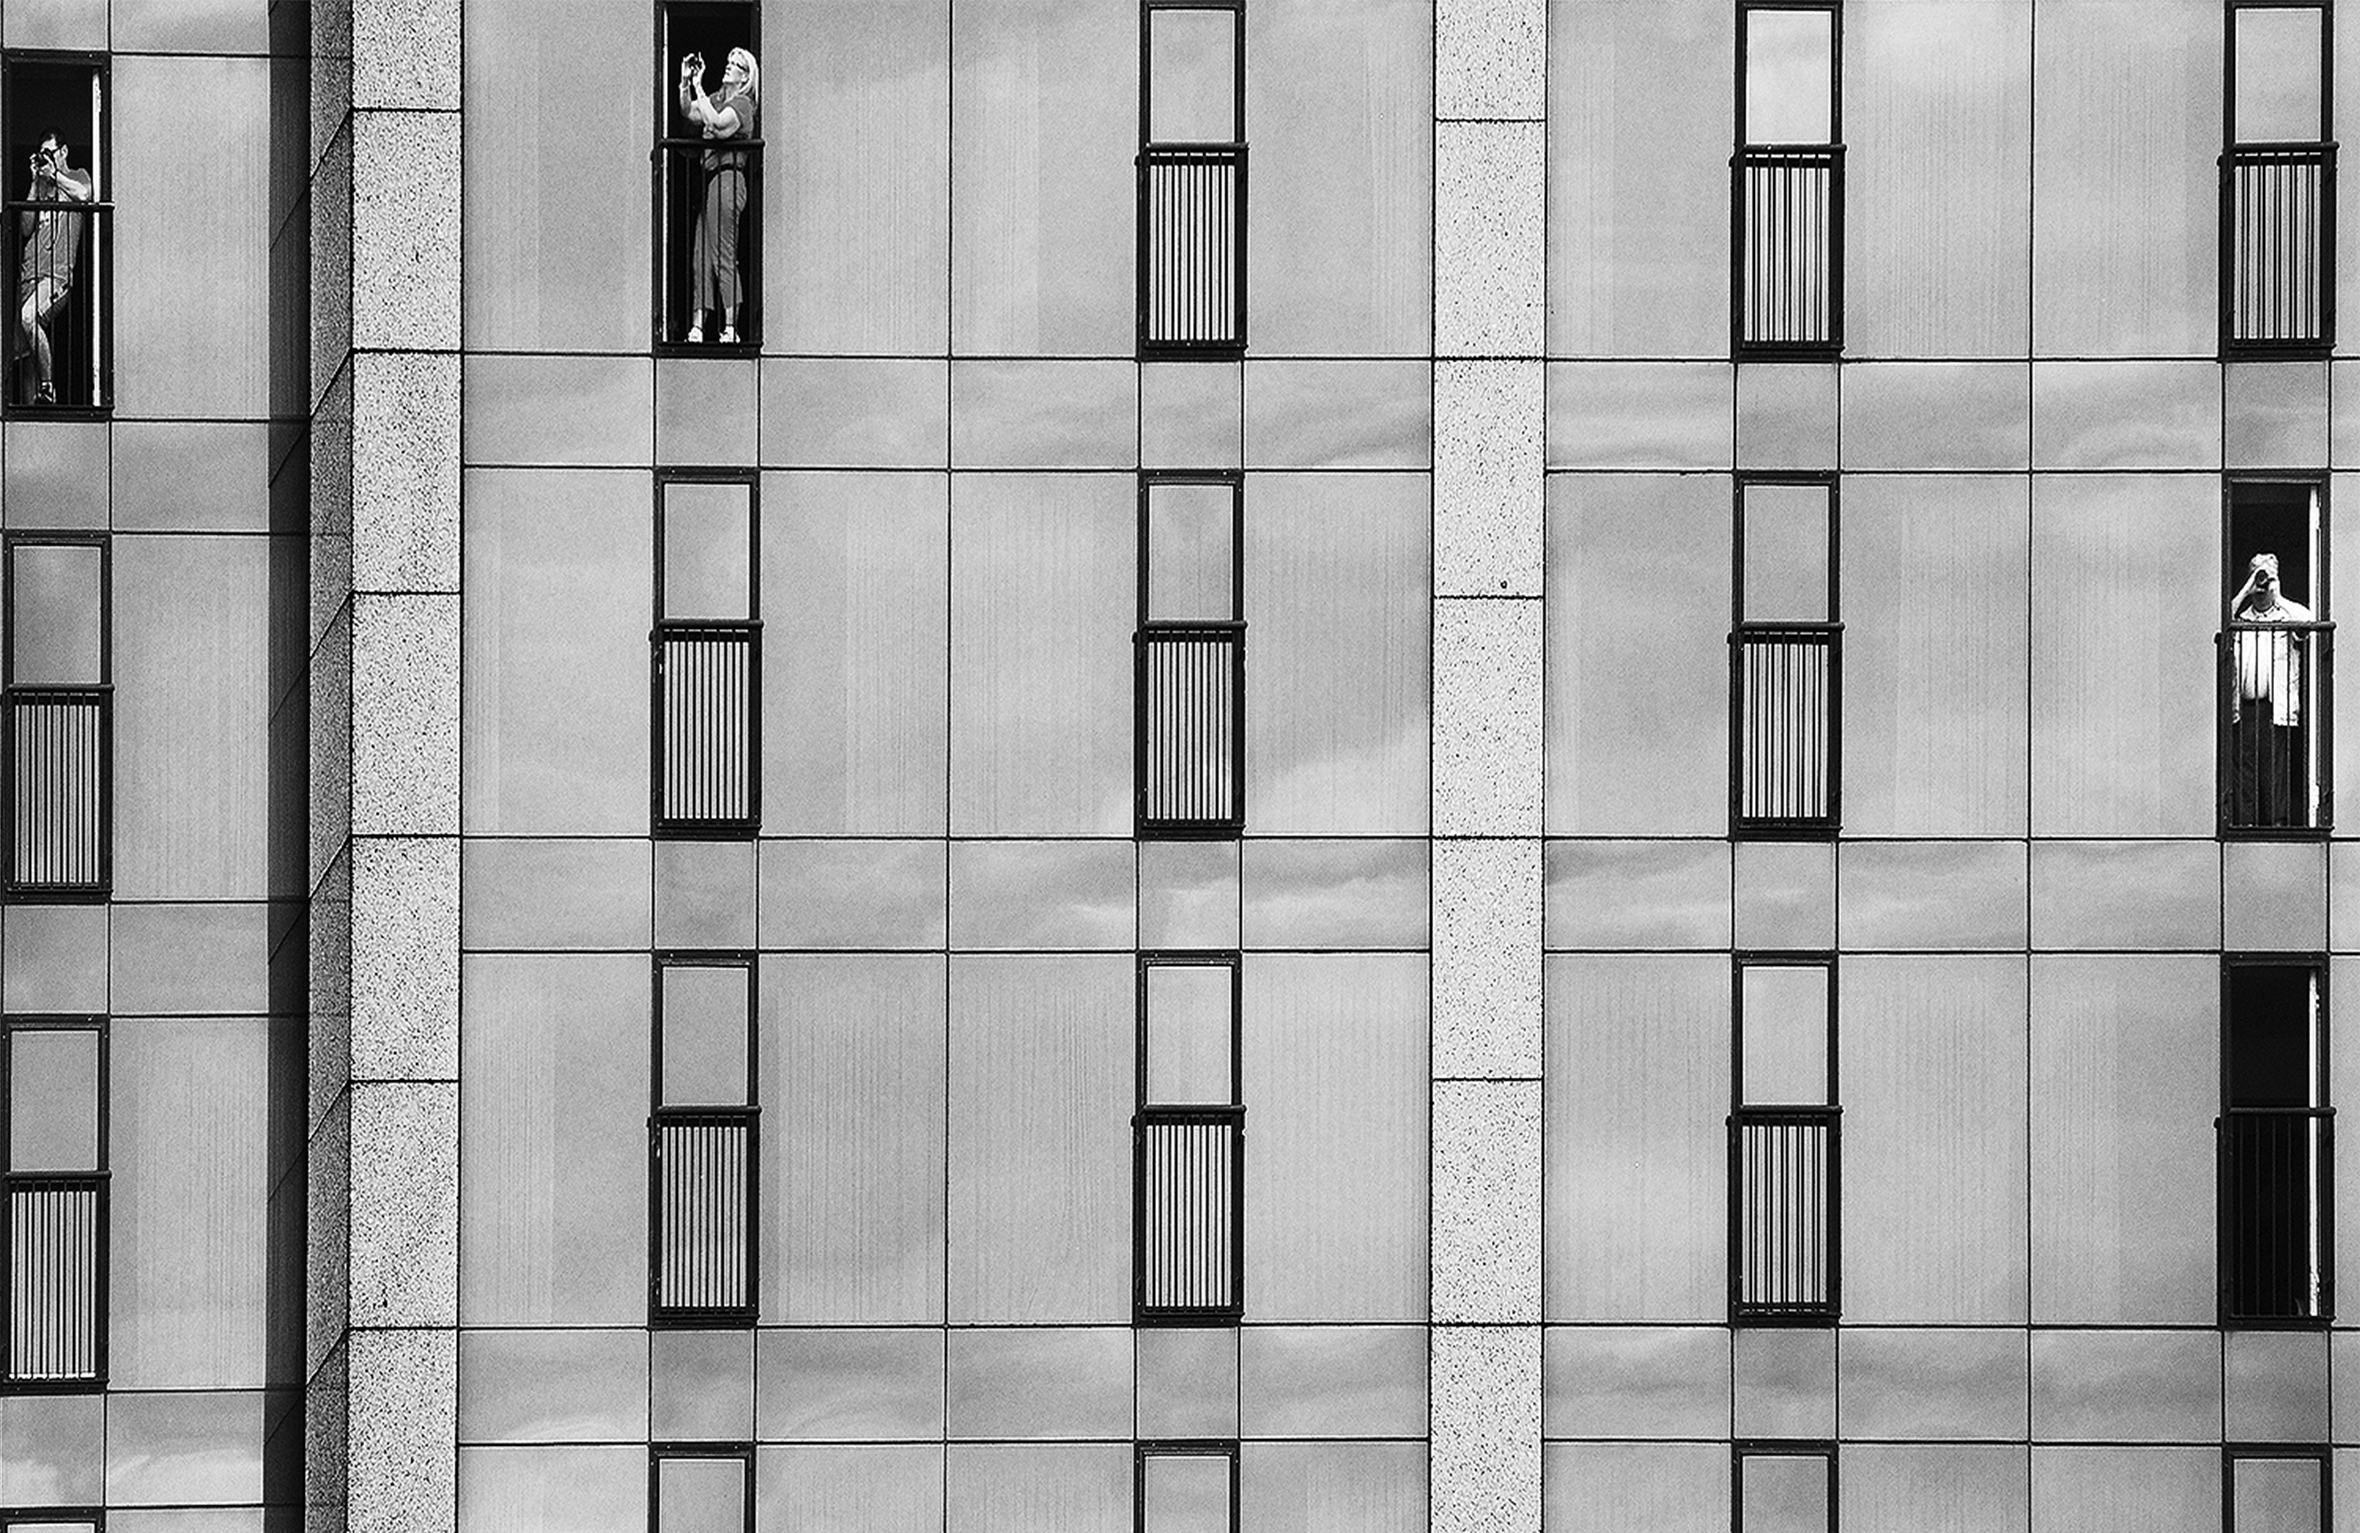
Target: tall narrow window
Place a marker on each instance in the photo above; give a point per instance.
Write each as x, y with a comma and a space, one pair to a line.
60, 741
1190, 686
2277, 1488
62, 325
1785, 1149
1186, 1487
1189, 1157
2277, 1144
1192, 177
700, 1488
2278, 182
53, 1077
54, 1519
708, 176
1785, 1487
1786, 661
1787, 194
707, 705
702, 1159
2276, 662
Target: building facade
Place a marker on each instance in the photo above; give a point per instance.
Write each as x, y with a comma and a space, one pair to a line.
1175, 765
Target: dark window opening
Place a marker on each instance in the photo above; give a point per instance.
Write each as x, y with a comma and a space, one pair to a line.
1786, 661
2278, 182
2276, 1146
1787, 183
700, 1488
1784, 1487
2277, 660
61, 351
708, 177
1186, 1487
703, 1165
1785, 1150
1189, 1143
59, 750
1188, 688
53, 1085
1192, 178
706, 766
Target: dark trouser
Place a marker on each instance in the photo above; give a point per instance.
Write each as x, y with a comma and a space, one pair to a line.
713, 256
2273, 770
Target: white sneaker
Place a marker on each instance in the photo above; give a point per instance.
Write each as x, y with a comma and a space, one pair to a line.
729, 337
696, 335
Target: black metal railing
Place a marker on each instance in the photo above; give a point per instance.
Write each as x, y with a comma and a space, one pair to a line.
57, 1284
1785, 1197
61, 776
1787, 234
708, 728
708, 221
1786, 694
2276, 743
2278, 247
68, 246
1188, 1191
1192, 249
2277, 1169
702, 1186
1189, 694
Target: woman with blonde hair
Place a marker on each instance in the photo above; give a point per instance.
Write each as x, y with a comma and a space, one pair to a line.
727, 116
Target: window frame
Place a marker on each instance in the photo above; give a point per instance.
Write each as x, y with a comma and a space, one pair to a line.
42, 1516
2322, 1193
707, 1318
1781, 1447
1830, 1312
1146, 1111
739, 1451
1181, 1447
2237, 151
750, 245
1153, 151
100, 246
1745, 149
2321, 730
1826, 827
2234, 1452
665, 827
101, 694
1147, 827
102, 1179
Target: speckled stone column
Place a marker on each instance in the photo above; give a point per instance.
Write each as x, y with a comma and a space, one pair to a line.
1490, 258
381, 1335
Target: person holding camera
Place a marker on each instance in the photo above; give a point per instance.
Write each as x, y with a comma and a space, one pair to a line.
713, 255
49, 242
2266, 708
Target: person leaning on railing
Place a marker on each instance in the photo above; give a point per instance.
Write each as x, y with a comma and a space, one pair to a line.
48, 243
713, 259
2266, 704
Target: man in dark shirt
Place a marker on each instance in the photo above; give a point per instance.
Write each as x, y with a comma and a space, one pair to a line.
47, 243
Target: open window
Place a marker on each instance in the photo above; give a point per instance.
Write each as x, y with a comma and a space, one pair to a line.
1189, 688
2278, 182
708, 177
60, 696
703, 1165
706, 766
1186, 1487
53, 1084
1192, 178
1189, 1143
700, 1488
1785, 1486
2277, 1488
1787, 192
2276, 1144
1785, 1149
61, 231
2277, 661
1785, 661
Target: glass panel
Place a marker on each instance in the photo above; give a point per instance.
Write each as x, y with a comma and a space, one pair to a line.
705, 1011
2275, 1495
2273, 1036
1187, 1493
1785, 1034
1190, 1028
707, 545
700, 1495
2278, 64
1191, 552
1192, 95
56, 595
1783, 1494
1789, 77
1786, 573
53, 1100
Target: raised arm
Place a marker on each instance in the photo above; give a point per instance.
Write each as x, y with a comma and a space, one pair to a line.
73, 185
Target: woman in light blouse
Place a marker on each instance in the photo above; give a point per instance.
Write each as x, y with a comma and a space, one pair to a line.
713, 257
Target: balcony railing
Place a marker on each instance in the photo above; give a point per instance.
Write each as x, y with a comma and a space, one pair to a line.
1190, 692
1189, 1179
2278, 247
68, 244
57, 1285
701, 1194
2277, 741
1192, 249
60, 791
1785, 1193
1788, 243
1786, 694
2276, 1198
708, 729
708, 221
